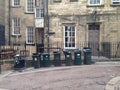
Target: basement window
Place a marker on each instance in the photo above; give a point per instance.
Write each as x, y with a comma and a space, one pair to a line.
73, 0
95, 2
57, 1
115, 2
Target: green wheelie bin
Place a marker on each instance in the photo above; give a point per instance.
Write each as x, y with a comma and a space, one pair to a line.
87, 55
77, 57
36, 60
68, 57
46, 59
57, 58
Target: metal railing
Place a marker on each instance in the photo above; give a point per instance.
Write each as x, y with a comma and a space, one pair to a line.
100, 51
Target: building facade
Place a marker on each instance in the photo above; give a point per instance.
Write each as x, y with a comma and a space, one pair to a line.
24, 23
2, 22
85, 21
62, 23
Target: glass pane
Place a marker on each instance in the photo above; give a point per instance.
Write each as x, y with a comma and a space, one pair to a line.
66, 39
65, 33
73, 33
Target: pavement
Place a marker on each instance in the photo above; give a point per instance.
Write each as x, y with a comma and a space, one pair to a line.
98, 76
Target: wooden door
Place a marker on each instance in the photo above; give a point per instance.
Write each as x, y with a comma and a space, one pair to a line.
93, 37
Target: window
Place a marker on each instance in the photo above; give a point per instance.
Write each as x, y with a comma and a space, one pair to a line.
39, 3
69, 37
30, 6
57, 1
15, 3
39, 13
29, 35
116, 2
16, 26
95, 2
73, 0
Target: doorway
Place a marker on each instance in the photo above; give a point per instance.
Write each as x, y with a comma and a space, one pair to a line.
39, 40
93, 38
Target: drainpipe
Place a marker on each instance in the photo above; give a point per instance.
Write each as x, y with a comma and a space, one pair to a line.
9, 18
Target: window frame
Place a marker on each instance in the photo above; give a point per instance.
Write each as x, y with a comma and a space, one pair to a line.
31, 34
114, 3
73, 1
33, 7
57, 1
17, 5
17, 25
96, 4
40, 14
74, 37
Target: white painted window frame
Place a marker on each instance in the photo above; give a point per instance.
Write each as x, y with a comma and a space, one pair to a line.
13, 3
41, 13
27, 7
113, 2
73, 1
57, 0
64, 37
18, 24
27, 33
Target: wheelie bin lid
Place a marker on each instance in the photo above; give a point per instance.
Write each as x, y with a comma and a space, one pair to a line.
55, 52
87, 49
66, 51
77, 50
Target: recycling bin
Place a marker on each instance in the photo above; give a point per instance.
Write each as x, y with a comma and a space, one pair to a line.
68, 57
19, 62
36, 60
46, 59
57, 58
87, 55
77, 57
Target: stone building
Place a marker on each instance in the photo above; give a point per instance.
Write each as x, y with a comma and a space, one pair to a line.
92, 22
64, 24
24, 23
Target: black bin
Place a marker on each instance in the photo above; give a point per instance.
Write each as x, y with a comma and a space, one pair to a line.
87, 55
57, 58
77, 57
46, 60
19, 62
68, 57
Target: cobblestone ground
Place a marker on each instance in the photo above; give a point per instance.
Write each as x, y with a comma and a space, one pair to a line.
86, 77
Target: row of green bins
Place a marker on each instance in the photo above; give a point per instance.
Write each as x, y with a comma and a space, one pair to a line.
77, 57
57, 58
87, 55
37, 62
